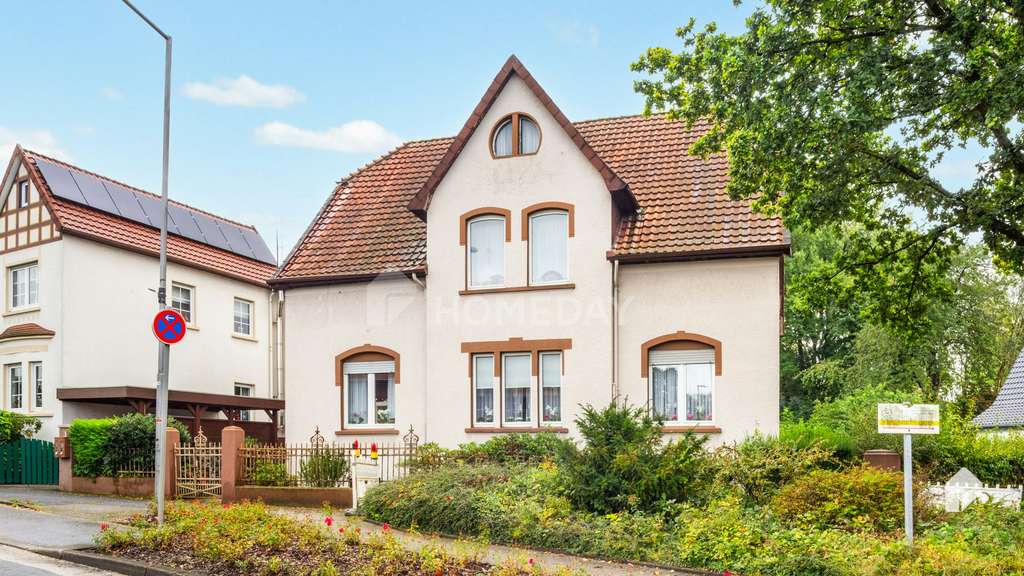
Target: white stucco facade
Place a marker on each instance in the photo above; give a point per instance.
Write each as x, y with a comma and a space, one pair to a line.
99, 301
434, 327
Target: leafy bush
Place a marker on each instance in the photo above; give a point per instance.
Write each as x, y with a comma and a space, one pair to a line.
268, 473
324, 469
625, 465
89, 441
759, 465
102, 446
506, 448
803, 434
857, 498
14, 426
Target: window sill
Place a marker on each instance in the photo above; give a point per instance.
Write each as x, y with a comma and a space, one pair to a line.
367, 432
191, 327
514, 429
472, 291
16, 311
698, 429
244, 337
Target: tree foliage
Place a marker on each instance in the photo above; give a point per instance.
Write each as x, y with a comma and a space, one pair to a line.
840, 111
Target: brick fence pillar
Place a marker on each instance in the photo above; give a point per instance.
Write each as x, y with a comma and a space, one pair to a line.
232, 438
170, 469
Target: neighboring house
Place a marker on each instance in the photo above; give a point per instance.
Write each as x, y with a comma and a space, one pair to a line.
78, 255
496, 281
1006, 413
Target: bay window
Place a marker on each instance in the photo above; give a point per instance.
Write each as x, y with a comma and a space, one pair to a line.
14, 386
486, 261
36, 372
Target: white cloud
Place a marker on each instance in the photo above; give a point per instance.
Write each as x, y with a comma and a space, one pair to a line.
42, 141
575, 32
113, 94
357, 136
244, 91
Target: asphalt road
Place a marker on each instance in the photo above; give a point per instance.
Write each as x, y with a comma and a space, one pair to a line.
15, 562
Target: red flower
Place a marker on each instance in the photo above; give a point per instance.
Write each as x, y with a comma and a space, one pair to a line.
530, 561
448, 498
329, 521
341, 530
104, 526
355, 445
386, 527
226, 505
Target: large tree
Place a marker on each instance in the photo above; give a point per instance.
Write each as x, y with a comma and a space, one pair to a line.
840, 111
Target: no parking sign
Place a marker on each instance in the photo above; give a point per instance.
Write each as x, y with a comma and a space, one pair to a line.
169, 326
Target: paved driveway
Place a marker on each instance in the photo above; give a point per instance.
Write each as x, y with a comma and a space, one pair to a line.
42, 517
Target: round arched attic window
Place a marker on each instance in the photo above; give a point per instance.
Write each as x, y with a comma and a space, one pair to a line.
515, 135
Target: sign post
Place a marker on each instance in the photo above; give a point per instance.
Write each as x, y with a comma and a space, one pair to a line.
908, 419
169, 328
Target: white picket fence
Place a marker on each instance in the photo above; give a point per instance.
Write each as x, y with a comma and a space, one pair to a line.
956, 497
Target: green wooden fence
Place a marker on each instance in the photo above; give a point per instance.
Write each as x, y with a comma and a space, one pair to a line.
28, 461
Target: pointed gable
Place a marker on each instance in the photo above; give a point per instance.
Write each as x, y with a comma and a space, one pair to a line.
621, 195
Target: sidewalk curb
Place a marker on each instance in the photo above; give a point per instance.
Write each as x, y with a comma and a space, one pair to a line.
110, 563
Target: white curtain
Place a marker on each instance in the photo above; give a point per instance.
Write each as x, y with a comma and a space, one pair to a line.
698, 392
517, 387
551, 386
503, 140
665, 392
487, 252
358, 392
529, 136
483, 383
549, 238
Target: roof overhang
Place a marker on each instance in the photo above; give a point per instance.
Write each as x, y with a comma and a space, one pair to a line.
689, 255
175, 398
307, 281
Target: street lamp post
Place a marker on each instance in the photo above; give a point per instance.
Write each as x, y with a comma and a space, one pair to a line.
164, 360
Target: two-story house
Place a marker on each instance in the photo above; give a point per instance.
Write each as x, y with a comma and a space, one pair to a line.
78, 274
499, 280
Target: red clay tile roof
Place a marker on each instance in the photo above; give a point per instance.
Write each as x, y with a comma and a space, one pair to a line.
366, 227
684, 208
27, 330
86, 222
623, 198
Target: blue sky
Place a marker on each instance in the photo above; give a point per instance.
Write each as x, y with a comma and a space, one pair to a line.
274, 102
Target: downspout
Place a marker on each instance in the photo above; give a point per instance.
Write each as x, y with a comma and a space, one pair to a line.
281, 377
615, 330
274, 343
423, 286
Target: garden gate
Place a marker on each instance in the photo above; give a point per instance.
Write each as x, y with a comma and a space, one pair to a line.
28, 461
198, 469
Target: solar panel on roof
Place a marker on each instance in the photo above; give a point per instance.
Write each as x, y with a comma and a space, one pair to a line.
95, 194
154, 210
259, 247
234, 236
126, 203
187, 227
211, 231
60, 181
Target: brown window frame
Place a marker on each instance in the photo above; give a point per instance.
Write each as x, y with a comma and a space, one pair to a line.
526, 214
464, 220
682, 338
514, 118
365, 353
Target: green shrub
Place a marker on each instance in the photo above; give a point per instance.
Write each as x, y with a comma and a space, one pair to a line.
14, 426
506, 448
267, 473
624, 463
102, 446
89, 441
759, 465
803, 434
324, 469
459, 500
858, 498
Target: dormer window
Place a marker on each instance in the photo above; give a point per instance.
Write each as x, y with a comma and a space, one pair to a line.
515, 135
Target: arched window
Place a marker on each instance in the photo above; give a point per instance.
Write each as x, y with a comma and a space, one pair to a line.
680, 369
486, 260
367, 375
548, 226
515, 135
